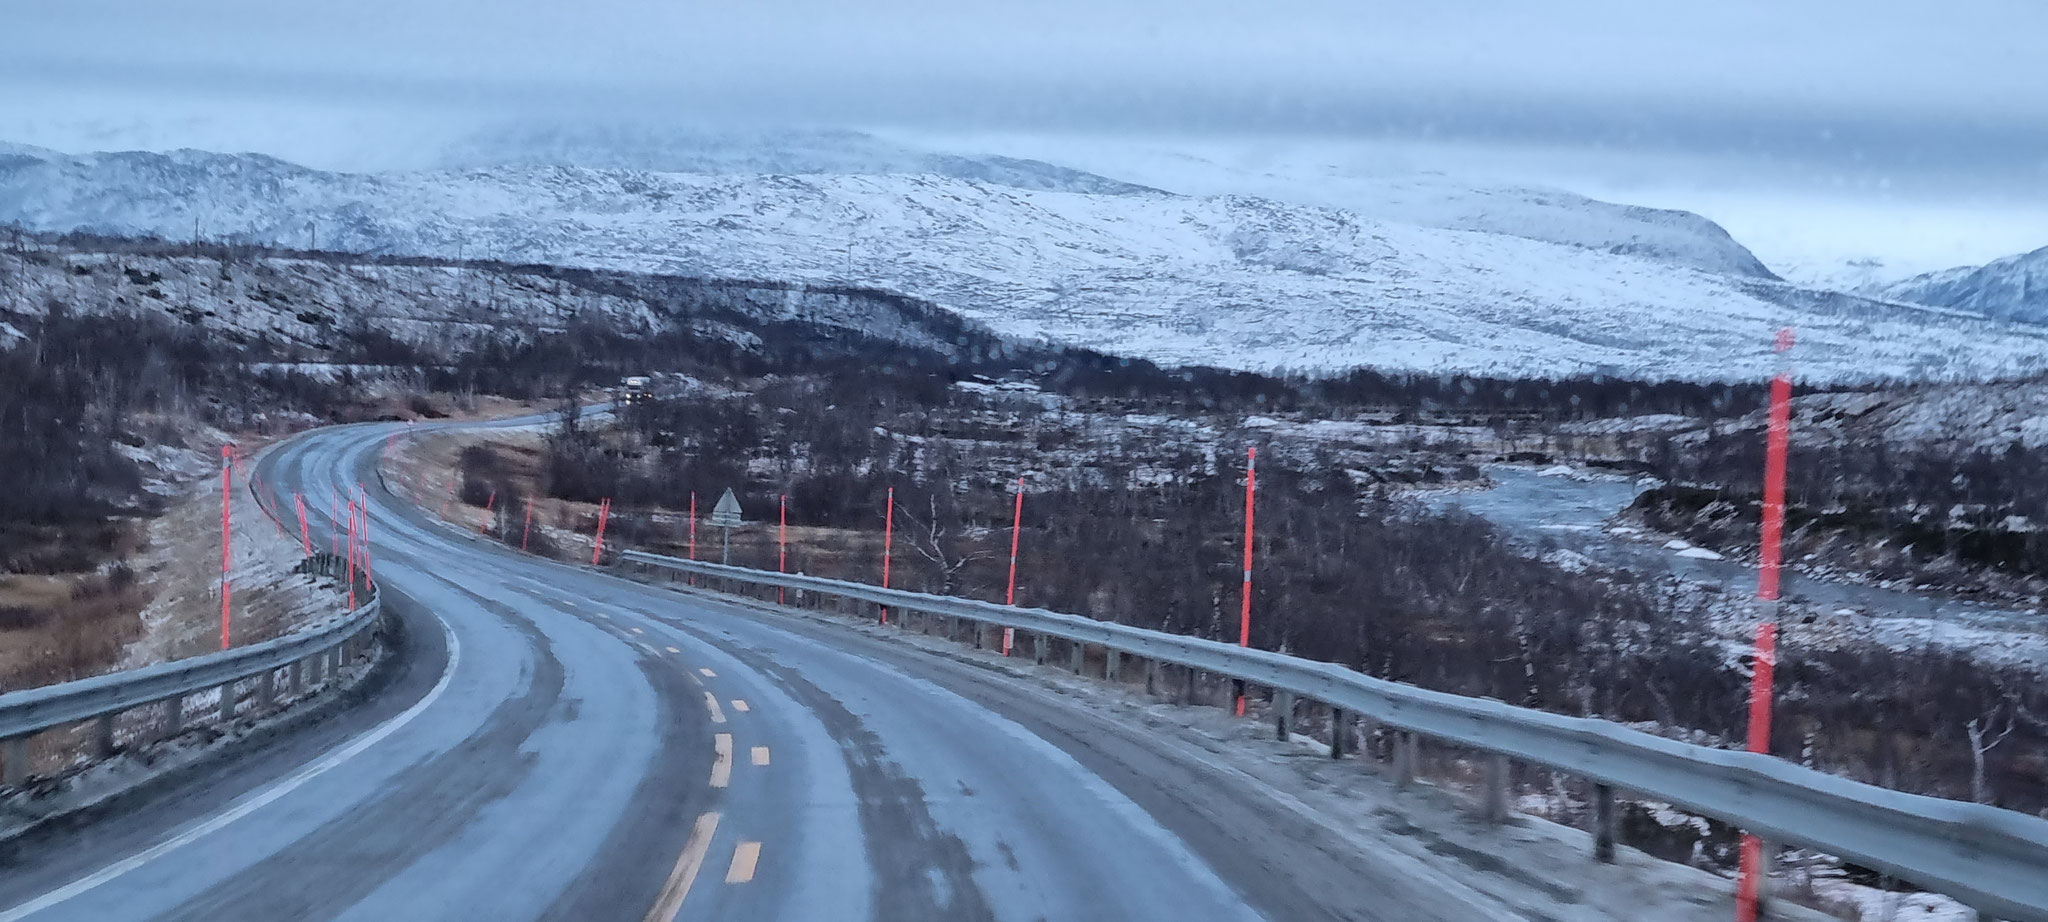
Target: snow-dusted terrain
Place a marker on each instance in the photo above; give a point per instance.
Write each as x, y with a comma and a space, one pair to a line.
1230, 280
2013, 288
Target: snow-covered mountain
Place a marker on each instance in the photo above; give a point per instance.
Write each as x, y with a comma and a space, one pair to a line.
1379, 191
2013, 288
796, 152
1231, 280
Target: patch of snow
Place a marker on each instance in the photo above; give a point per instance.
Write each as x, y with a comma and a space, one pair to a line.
1700, 553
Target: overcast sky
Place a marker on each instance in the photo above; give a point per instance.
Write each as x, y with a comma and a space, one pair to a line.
1930, 102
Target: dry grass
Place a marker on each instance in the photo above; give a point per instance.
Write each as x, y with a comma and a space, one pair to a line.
59, 628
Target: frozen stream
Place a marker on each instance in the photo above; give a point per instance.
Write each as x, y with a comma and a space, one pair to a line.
1571, 513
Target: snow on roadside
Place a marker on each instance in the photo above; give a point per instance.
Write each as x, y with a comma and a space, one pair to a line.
181, 563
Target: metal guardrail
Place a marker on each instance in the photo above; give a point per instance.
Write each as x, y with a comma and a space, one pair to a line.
1993, 860
26, 713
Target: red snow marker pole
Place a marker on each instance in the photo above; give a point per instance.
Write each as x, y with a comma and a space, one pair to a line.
782, 547
1010, 595
604, 514
526, 530
693, 533
485, 528
1749, 886
1244, 615
364, 540
888, 540
305, 531
227, 538
351, 555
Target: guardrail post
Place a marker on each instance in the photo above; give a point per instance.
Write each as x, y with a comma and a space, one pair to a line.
1038, 649
1283, 714
103, 736
227, 702
297, 682
1152, 677
1405, 757
980, 635
14, 761
313, 668
1494, 809
1077, 656
1338, 727
174, 716
1187, 688
266, 688
1112, 664
1603, 823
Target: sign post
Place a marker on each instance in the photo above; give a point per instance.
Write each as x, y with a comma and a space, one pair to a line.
726, 515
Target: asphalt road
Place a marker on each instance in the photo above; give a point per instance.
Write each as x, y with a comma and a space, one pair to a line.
559, 743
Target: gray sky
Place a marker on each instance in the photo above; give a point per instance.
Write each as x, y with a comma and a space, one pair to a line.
1882, 100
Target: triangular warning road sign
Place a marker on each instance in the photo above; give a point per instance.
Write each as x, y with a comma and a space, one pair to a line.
727, 513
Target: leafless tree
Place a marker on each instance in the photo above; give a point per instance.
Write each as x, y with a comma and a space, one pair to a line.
933, 541
1985, 735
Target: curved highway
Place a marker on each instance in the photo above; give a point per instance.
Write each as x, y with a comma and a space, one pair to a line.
558, 743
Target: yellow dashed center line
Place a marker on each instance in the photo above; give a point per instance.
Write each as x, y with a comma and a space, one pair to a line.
744, 858
721, 763
740, 705
687, 864
711, 704
760, 755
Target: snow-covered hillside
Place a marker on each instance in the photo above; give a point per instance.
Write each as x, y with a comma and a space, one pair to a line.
1399, 190
607, 146
2013, 288
1227, 280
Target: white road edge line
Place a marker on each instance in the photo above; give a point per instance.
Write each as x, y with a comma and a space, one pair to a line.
248, 804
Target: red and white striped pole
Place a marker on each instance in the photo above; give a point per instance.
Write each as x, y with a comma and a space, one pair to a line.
1010, 594
227, 539
604, 515
1749, 886
1244, 616
888, 541
305, 531
782, 547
